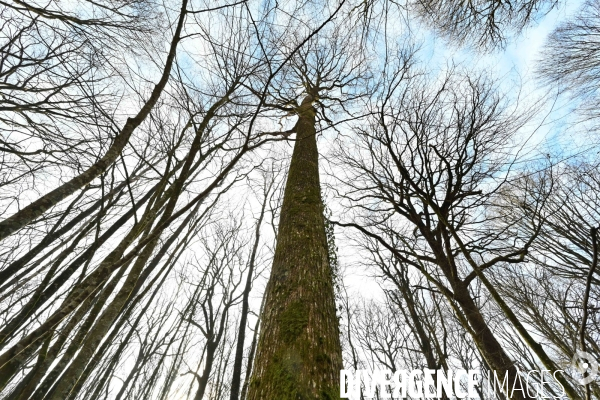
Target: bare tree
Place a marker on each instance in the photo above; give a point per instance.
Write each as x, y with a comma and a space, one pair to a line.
485, 24
551, 295
133, 135
571, 59
426, 170
34, 210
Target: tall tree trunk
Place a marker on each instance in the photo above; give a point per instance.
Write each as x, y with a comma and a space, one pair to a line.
239, 351
299, 353
252, 353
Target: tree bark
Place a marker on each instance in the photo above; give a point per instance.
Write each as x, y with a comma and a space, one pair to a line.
299, 353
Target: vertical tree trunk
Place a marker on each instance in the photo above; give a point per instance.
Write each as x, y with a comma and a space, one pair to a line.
239, 351
299, 354
251, 353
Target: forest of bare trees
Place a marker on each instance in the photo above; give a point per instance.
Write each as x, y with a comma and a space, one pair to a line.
239, 199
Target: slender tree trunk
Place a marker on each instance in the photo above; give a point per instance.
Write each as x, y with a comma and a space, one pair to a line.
488, 344
508, 312
412, 317
211, 348
252, 353
299, 354
239, 351
47, 289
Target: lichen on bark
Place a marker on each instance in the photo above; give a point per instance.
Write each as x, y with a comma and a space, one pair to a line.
299, 352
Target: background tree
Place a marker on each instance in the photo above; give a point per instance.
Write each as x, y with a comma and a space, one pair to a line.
484, 24
423, 178
571, 61
551, 292
47, 106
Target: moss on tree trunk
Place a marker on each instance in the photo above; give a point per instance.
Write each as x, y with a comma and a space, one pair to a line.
299, 354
